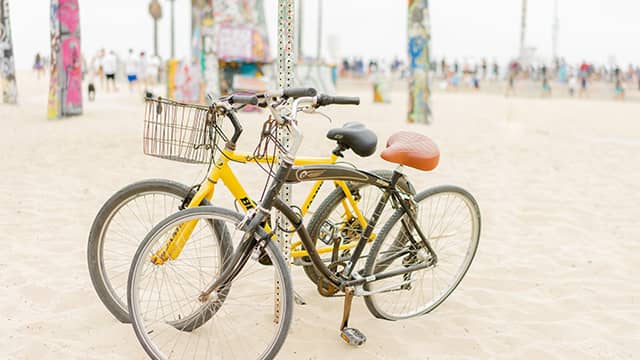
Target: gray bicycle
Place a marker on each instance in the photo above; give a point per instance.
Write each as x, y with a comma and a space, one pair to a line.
200, 304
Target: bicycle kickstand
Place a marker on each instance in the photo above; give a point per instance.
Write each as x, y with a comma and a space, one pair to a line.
351, 336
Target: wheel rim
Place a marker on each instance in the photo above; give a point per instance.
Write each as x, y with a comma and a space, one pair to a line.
124, 230
451, 223
156, 306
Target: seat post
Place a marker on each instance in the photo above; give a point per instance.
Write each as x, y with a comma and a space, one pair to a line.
397, 174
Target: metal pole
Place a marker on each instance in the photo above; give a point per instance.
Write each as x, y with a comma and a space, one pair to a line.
419, 63
523, 27
173, 28
8, 71
286, 58
299, 21
556, 25
319, 50
155, 37
155, 10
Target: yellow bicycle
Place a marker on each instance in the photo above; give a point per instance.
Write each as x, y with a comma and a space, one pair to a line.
173, 131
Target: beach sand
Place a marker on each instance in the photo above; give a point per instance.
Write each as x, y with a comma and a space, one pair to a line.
557, 181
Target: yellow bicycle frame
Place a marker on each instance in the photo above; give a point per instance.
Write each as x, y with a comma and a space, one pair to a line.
222, 171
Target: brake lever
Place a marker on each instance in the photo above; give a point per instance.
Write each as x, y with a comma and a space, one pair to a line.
312, 109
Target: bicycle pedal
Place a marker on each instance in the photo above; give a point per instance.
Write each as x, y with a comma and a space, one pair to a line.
353, 336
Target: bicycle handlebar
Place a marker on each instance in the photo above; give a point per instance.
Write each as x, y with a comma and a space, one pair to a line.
298, 92
243, 99
324, 100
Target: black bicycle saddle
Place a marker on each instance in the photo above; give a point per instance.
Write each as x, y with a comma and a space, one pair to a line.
355, 136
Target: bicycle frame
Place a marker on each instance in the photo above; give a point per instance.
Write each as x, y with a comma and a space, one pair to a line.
336, 172
222, 171
287, 173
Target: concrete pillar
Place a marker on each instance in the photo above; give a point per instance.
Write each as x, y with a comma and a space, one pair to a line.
65, 86
7, 63
419, 62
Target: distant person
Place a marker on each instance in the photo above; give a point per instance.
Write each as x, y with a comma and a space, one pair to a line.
583, 74
619, 83
444, 68
619, 89
630, 73
495, 70
514, 68
484, 68
638, 76
344, 72
153, 70
131, 68
110, 67
476, 82
562, 72
546, 85
143, 64
38, 65
573, 84
97, 64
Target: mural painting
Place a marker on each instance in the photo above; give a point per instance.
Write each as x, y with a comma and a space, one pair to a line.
227, 36
71, 57
184, 81
53, 105
203, 44
65, 90
419, 38
7, 65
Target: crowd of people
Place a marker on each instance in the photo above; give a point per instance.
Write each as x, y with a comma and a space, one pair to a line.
575, 79
106, 69
143, 72
139, 70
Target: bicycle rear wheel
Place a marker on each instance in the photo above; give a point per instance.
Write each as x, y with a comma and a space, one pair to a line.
449, 217
331, 220
171, 321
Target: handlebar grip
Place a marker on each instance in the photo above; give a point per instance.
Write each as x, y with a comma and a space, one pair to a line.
299, 92
323, 100
243, 99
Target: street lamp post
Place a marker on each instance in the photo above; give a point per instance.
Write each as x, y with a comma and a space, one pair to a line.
155, 10
173, 28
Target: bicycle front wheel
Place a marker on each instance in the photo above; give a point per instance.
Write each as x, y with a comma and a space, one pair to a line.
449, 218
170, 319
119, 228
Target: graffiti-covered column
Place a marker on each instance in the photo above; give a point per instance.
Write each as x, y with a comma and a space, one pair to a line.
419, 39
203, 44
65, 87
7, 65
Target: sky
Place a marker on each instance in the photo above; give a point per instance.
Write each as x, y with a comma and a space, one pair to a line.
595, 30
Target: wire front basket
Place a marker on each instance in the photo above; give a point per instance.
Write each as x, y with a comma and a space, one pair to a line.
179, 132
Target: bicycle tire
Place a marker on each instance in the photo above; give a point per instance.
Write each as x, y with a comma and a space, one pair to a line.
371, 300
135, 296
114, 301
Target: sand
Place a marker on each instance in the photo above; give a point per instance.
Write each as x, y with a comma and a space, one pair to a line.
557, 180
